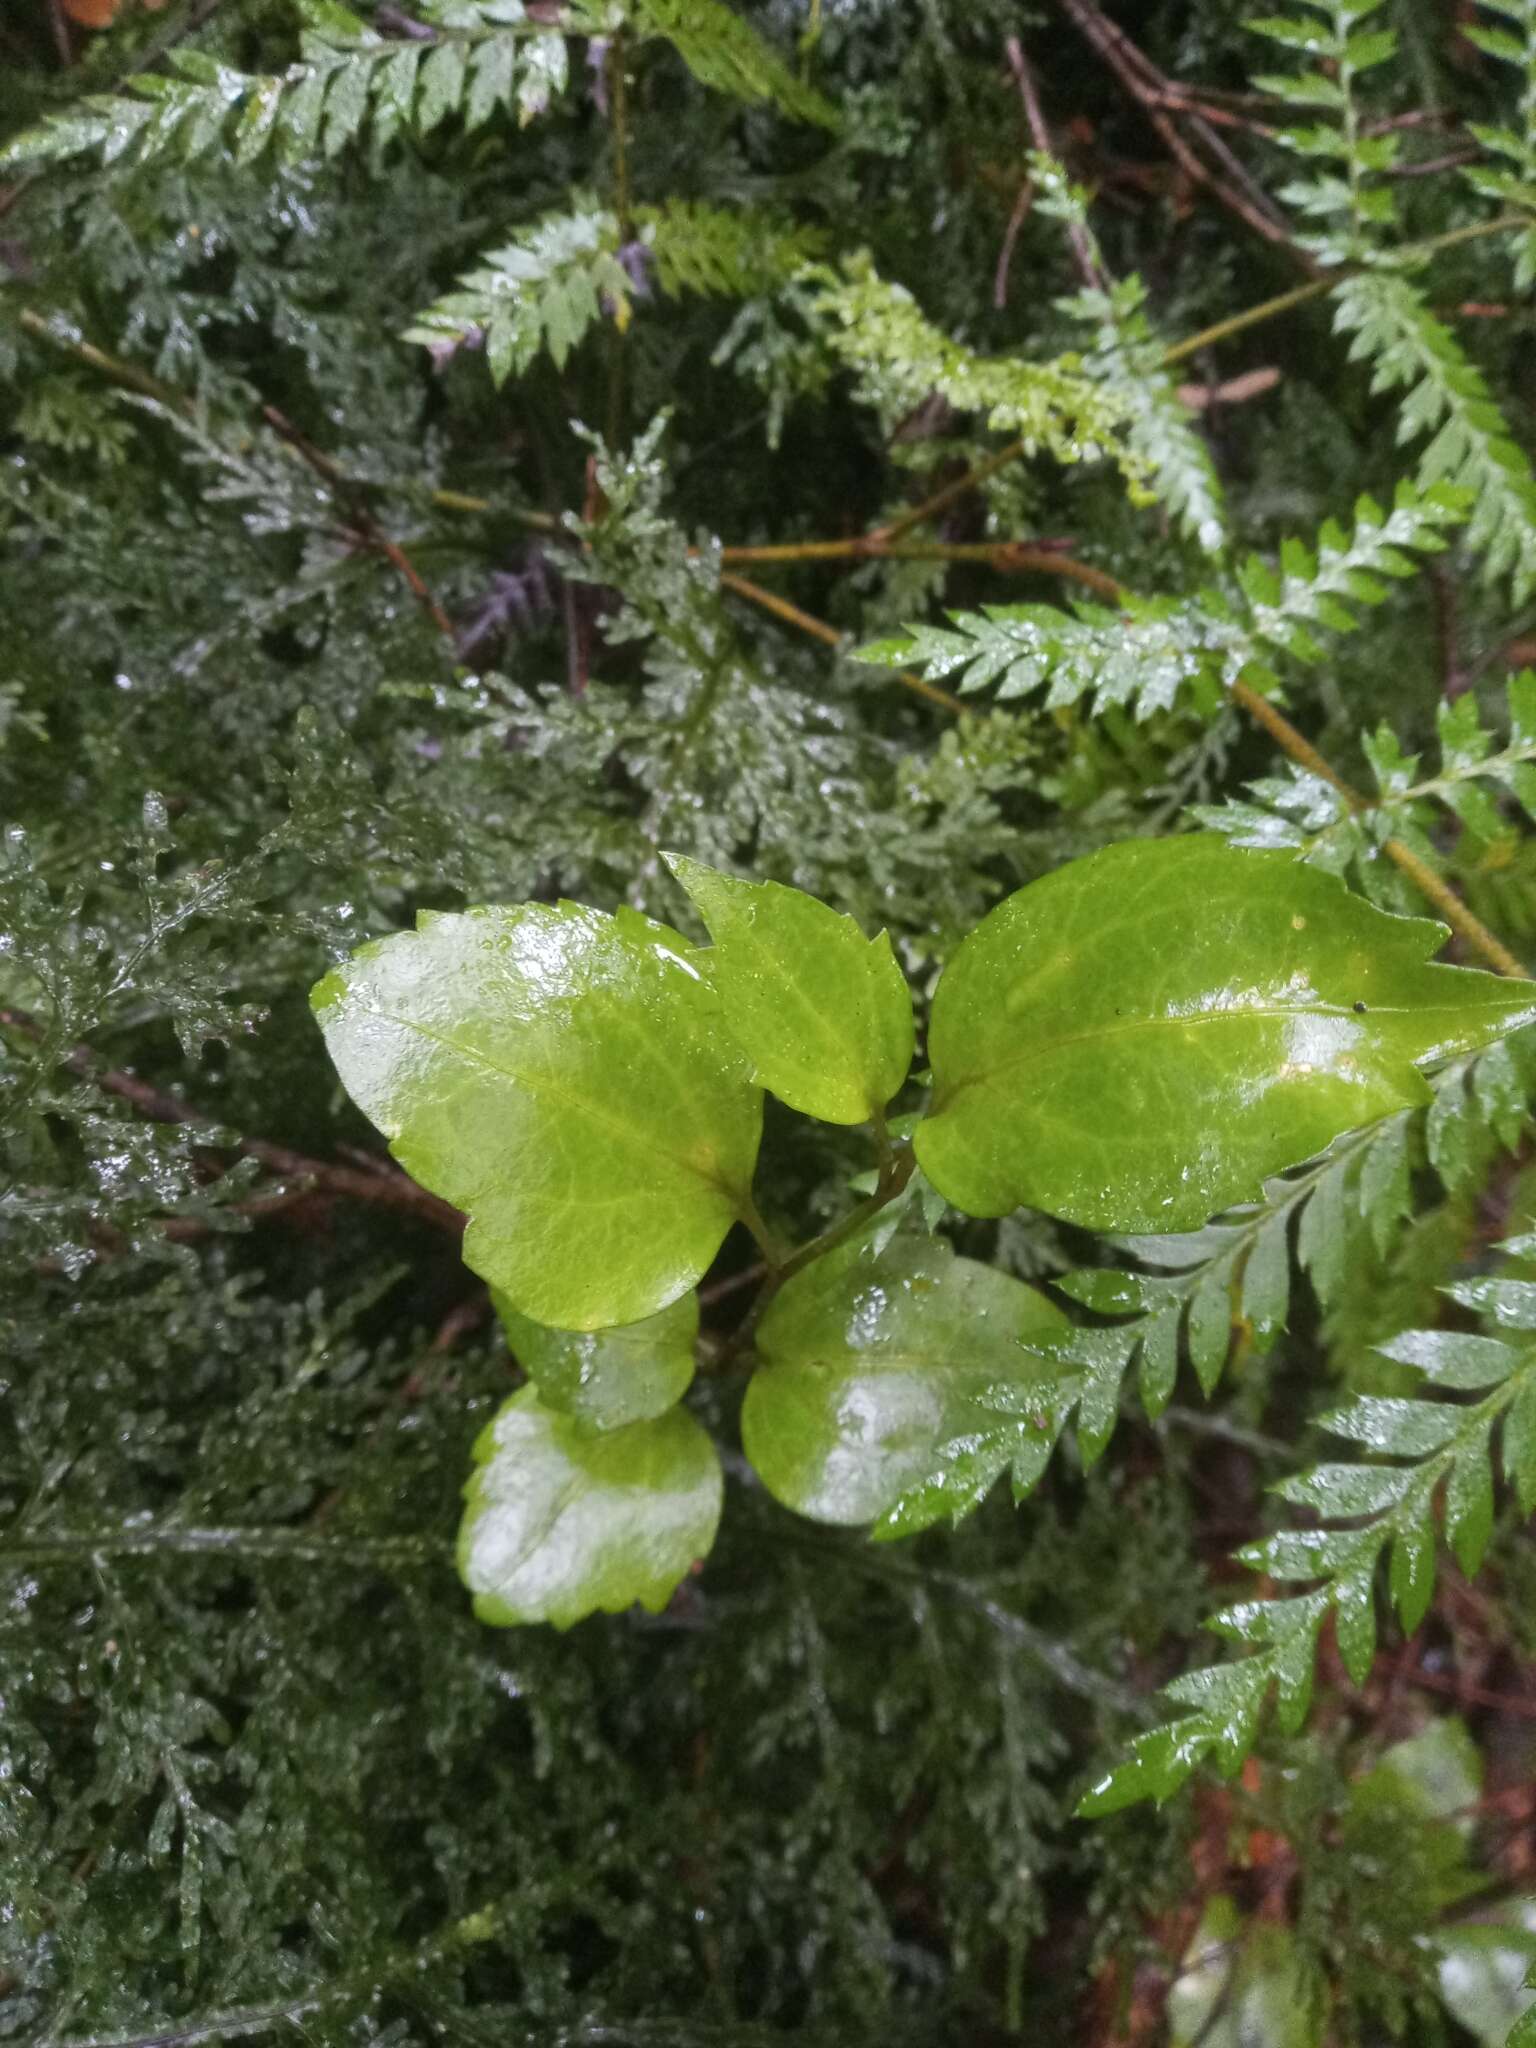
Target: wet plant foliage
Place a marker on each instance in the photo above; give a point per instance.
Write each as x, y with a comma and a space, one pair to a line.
880, 662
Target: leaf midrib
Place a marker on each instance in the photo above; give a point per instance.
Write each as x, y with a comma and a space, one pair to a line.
629, 1135
1033, 1054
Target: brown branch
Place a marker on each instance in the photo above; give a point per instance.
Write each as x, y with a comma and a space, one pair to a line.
1148, 87
1016, 557
384, 1184
1034, 115
361, 519
1016, 220
1464, 922
820, 630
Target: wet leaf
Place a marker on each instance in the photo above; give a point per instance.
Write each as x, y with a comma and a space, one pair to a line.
823, 1013
562, 1076
895, 1385
607, 1378
563, 1522
1136, 1041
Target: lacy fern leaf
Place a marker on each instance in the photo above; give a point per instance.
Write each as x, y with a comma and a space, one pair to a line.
1369, 1511
471, 62
900, 358
1511, 182
1143, 652
1126, 357
1411, 350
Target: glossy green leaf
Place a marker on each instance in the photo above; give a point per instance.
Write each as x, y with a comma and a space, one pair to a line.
1138, 1040
823, 1013
564, 1077
606, 1378
563, 1522
1452, 1358
895, 1385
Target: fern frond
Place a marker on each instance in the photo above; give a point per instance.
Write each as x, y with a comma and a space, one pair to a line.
1512, 182
724, 53
1336, 190
714, 252
1411, 350
1300, 811
1235, 1275
1338, 195
900, 359
350, 80
1126, 358
542, 290
1142, 653
1369, 1511
550, 284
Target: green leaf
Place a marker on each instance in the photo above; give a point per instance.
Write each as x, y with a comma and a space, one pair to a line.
895, 1384
823, 1013
563, 1522
607, 1378
563, 1076
1139, 1039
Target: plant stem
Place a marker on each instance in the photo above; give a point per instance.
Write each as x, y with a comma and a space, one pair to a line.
820, 630
775, 1254
1464, 922
893, 1179
618, 100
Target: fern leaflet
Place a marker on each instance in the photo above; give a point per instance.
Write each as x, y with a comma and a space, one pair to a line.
1298, 810
555, 279
1126, 358
1411, 350
1369, 1510
723, 52
350, 79
1144, 651
900, 358
1512, 182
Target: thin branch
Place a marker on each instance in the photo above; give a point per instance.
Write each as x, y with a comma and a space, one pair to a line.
1148, 87
1016, 557
820, 630
359, 516
1034, 116
176, 1540
388, 1186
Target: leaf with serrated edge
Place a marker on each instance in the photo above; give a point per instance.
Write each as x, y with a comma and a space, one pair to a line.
1138, 1040
823, 1013
897, 1379
607, 1378
563, 1076
563, 1522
